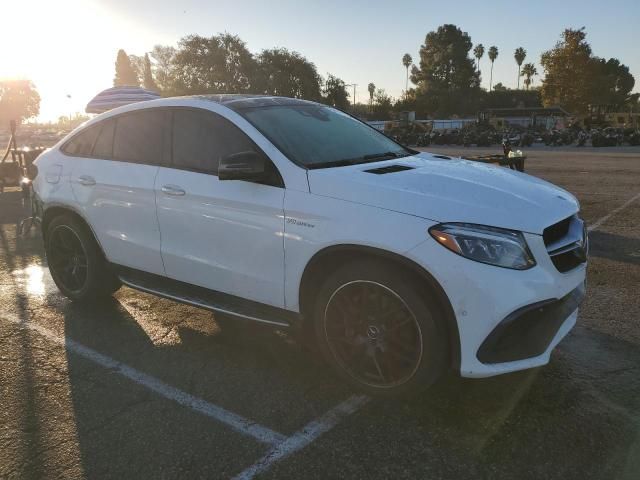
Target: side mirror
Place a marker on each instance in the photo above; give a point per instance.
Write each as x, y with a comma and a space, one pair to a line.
242, 166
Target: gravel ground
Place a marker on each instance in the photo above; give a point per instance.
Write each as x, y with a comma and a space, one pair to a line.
64, 416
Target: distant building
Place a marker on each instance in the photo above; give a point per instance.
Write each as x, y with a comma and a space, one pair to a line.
545, 117
408, 118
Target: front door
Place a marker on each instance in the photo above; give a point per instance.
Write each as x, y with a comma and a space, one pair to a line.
223, 235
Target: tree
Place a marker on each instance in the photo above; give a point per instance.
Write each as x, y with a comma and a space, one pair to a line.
569, 72
519, 55
372, 89
407, 61
217, 64
137, 63
383, 104
288, 74
447, 79
147, 75
19, 100
163, 67
125, 73
335, 93
612, 83
493, 54
478, 52
528, 72
574, 78
503, 97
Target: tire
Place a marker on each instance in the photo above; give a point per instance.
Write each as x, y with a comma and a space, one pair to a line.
76, 262
390, 342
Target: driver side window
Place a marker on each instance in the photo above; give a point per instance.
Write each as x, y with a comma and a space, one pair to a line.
201, 139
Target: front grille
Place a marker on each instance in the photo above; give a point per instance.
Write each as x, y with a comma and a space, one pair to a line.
557, 231
567, 243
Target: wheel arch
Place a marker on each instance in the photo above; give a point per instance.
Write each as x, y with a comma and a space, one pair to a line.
56, 210
328, 259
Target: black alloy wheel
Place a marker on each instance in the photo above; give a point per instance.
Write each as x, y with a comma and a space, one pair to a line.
68, 259
76, 262
373, 334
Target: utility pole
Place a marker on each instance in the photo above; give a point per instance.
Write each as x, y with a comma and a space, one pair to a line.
354, 85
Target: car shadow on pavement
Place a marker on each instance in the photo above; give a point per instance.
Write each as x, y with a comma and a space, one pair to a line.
580, 412
578, 417
256, 372
614, 247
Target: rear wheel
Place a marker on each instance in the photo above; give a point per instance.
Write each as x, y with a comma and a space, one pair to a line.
76, 262
379, 329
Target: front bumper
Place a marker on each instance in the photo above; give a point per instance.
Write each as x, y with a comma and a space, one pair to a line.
501, 328
529, 331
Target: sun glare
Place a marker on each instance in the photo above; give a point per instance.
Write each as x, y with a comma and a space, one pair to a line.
67, 48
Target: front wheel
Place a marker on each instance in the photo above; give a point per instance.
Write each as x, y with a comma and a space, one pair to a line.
379, 329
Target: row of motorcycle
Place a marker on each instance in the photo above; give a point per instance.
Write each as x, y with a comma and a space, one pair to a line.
599, 137
464, 137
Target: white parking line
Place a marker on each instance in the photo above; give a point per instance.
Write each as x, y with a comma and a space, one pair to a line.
305, 436
236, 422
598, 223
282, 446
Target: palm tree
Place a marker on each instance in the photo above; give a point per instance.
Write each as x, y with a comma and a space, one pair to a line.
478, 52
520, 54
493, 54
372, 90
407, 61
528, 71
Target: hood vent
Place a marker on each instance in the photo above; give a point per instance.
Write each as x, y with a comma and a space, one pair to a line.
389, 169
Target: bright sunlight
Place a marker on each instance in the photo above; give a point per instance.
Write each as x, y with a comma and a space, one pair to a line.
62, 49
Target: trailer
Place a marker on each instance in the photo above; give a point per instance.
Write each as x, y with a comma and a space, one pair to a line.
16, 165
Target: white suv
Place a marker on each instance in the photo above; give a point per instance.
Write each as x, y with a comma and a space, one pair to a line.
399, 264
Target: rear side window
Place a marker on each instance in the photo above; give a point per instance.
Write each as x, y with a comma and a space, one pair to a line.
82, 144
139, 137
103, 147
201, 139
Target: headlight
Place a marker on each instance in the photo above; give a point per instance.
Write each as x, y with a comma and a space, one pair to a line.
494, 246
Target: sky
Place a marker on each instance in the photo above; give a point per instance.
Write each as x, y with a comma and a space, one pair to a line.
70, 51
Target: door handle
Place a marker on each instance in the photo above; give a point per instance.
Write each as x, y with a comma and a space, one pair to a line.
173, 190
86, 180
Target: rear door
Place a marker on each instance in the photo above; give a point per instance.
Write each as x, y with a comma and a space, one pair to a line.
223, 235
113, 182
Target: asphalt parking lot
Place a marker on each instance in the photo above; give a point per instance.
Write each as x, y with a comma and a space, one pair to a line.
142, 387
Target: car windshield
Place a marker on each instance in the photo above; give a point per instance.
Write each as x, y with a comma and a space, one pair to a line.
315, 136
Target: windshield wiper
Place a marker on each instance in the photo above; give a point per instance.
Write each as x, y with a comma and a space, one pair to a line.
373, 157
380, 156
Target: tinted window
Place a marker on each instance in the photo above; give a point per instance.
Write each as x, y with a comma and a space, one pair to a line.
104, 144
201, 139
82, 143
139, 137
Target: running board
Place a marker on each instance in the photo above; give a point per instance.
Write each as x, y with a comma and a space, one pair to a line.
207, 299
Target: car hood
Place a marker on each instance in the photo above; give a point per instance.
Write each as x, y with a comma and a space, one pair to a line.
450, 190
